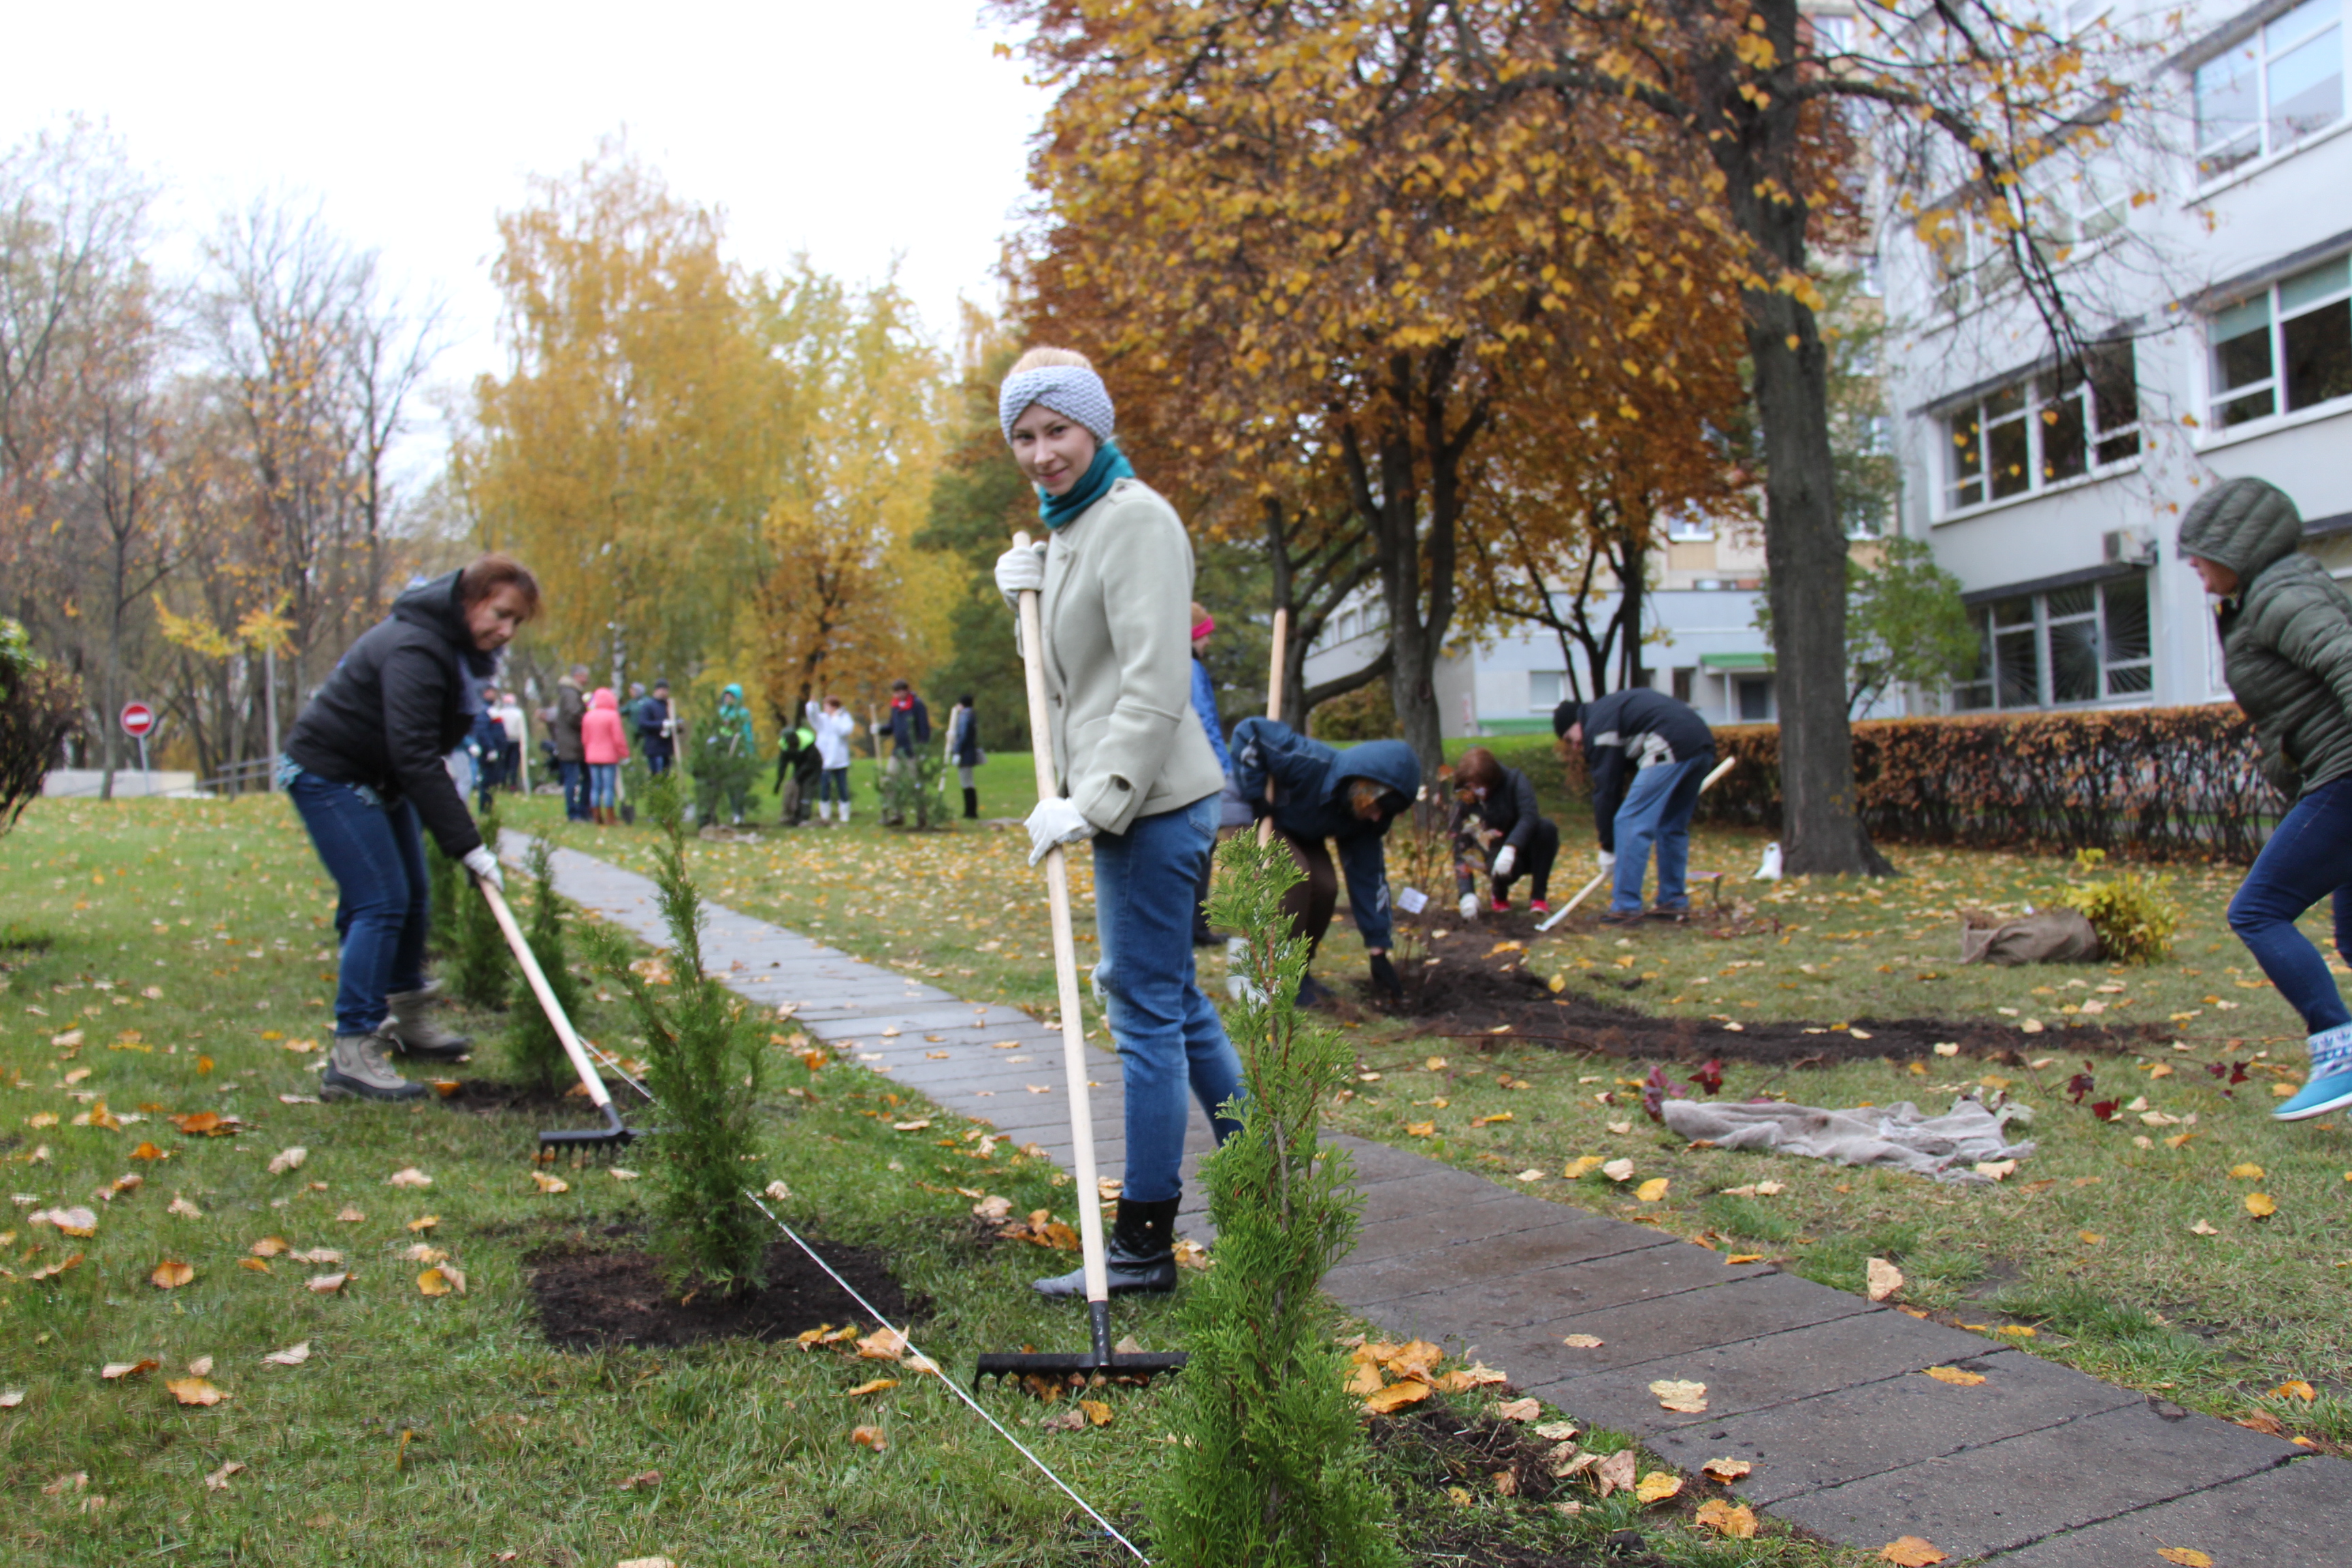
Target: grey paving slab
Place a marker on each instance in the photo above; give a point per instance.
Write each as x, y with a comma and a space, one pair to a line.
1768, 1369
2292, 1516
1821, 1390
2006, 1494
1807, 1445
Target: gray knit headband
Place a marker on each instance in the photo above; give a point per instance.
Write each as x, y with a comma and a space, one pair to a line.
1070, 390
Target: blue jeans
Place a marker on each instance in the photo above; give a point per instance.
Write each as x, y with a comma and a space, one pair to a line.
603, 783
658, 760
834, 784
377, 860
575, 790
1169, 1037
2308, 857
1657, 810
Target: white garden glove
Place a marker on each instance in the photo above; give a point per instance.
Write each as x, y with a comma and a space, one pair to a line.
1608, 860
1020, 571
1469, 906
484, 865
1055, 821
1505, 858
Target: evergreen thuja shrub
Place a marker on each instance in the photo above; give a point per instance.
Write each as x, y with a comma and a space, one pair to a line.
705, 1056
533, 1053
483, 965
445, 893
1273, 1470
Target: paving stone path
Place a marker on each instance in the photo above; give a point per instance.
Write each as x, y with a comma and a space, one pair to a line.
1823, 1392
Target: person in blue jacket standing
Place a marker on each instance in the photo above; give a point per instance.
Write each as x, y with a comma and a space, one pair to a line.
1322, 794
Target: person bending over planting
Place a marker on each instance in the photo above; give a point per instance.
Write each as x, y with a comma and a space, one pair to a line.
1647, 754
1496, 830
2286, 645
362, 766
1345, 797
1114, 580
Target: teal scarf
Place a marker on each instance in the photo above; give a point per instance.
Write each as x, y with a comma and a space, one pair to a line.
1110, 466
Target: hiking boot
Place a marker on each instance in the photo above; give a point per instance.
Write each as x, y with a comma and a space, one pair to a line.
1670, 912
1311, 994
360, 1068
412, 1031
1141, 1255
2329, 1085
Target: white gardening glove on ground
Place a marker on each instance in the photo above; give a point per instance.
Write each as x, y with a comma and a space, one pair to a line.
1020, 571
1505, 858
484, 865
1055, 821
1608, 860
1469, 906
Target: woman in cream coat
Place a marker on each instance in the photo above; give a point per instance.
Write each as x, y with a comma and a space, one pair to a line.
1115, 581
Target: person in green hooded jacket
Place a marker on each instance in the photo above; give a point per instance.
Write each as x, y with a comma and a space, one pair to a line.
2286, 644
729, 759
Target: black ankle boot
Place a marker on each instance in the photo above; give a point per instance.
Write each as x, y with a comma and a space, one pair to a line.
971, 806
1142, 1254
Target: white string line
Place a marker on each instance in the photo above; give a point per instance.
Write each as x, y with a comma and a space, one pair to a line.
952, 1385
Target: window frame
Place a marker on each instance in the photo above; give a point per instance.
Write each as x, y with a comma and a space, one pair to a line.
2038, 623
2273, 384
2038, 409
2255, 49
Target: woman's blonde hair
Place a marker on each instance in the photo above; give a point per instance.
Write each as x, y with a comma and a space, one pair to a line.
1038, 359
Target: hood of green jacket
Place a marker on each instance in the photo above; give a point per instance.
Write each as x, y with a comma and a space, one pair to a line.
2244, 524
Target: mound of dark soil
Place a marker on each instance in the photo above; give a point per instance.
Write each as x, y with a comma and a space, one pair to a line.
1475, 993
564, 1104
590, 1300
1436, 1446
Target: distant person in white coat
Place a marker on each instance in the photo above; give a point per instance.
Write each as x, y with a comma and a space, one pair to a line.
833, 726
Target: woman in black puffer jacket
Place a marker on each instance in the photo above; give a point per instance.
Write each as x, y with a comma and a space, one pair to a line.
364, 763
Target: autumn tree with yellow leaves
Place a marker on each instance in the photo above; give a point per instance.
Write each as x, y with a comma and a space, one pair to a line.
1279, 216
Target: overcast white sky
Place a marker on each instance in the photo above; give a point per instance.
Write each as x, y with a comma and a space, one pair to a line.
858, 132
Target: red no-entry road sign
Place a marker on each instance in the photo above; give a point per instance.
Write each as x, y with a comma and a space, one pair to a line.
137, 719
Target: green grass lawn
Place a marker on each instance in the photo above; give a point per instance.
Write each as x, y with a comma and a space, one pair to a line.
165, 958
2092, 1245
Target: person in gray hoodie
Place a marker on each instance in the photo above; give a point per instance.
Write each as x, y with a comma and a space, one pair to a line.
1114, 586
2286, 644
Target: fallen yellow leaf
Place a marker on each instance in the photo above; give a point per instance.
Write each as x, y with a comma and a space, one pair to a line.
1580, 1342
2262, 1205
292, 1356
872, 1386
1396, 1396
2187, 1556
1097, 1411
1724, 1470
2294, 1389
548, 1184
1911, 1552
195, 1391
1420, 1128
2247, 1173
868, 1437
1674, 1394
1882, 1279
1653, 1189
1656, 1487
115, 1370
1736, 1519
1365, 1381
433, 1282
1956, 1377
170, 1274
1581, 1167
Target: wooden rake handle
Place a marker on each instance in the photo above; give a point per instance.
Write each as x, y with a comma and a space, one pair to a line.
529, 963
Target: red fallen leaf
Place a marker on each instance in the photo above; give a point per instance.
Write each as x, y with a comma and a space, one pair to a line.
2106, 1109
2080, 1085
1709, 1076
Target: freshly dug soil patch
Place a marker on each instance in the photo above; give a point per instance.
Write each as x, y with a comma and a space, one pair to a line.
1474, 994
588, 1299
1436, 1446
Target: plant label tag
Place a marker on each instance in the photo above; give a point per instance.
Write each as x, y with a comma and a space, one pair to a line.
1412, 901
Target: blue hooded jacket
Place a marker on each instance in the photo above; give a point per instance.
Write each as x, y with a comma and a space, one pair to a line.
1310, 802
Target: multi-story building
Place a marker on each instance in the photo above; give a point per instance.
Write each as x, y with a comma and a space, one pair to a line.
2208, 247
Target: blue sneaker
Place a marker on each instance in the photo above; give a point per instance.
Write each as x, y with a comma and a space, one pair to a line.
2329, 1086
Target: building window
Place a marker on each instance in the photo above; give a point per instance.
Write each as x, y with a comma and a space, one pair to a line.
2044, 430
2287, 348
1547, 688
2272, 89
2088, 643
1751, 699
1682, 683
1689, 528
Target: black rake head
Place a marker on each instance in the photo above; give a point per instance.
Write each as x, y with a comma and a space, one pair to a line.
586, 1141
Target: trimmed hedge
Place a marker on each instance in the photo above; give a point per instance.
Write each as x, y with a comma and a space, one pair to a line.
2156, 784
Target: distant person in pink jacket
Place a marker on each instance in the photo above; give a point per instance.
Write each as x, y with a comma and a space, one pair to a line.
605, 746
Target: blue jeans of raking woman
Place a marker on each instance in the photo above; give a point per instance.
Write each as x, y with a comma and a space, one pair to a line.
377, 859
1172, 1044
2308, 857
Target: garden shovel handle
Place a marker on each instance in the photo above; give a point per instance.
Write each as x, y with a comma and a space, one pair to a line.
1274, 712
1065, 955
1706, 783
529, 963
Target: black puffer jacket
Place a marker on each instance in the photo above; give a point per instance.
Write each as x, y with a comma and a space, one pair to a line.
1508, 808
396, 706
2286, 635
1628, 731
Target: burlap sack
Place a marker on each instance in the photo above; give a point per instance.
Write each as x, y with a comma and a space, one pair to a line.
2045, 936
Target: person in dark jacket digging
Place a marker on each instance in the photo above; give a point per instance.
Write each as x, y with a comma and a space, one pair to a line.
798, 768
1347, 797
2286, 649
362, 764
1647, 754
1497, 831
